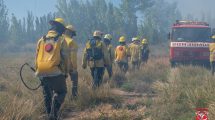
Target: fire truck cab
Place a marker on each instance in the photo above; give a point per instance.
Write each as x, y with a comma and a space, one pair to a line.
189, 42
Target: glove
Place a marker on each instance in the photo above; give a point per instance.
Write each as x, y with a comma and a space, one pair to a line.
84, 66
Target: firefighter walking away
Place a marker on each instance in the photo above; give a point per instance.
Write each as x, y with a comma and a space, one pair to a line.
121, 55
51, 67
96, 57
135, 53
107, 41
144, 51
73, 51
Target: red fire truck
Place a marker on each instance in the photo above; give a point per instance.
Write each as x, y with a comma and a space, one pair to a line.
189, 41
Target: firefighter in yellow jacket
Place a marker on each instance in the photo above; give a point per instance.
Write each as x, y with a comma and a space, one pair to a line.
51, 67
107, 41
96, 57
122, 54
73, 50
212, 54
144, 51
135, 53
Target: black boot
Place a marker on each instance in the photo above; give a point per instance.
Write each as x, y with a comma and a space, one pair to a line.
57, 106
74, 77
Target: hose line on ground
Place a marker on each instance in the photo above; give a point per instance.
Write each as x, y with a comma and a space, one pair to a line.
21, 76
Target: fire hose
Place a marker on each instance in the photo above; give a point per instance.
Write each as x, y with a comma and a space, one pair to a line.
21, 76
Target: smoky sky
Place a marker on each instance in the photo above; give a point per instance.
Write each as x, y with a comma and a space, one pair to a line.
196, 7
41, 7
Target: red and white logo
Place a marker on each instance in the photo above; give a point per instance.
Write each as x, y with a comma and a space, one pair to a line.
201, 114
189, 44
48, 47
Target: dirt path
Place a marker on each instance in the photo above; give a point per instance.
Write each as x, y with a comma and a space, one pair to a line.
132, 105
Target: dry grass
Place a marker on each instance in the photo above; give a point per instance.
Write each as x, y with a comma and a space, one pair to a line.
157, 69
176, 93
107, 112
187, 88
16, 102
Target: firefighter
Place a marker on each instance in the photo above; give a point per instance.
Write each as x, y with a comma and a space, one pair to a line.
212, 54
107, 41
73, 50
51, 67
135, 53
122, 54
144, 51
96, 57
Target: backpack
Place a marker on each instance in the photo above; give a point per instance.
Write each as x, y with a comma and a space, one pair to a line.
94, 50
49, 55
121, 53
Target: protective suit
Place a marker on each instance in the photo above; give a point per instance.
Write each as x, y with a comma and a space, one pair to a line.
52, 65
122, 54
73, 51
96, 57
135, 53
107, 41
144, 51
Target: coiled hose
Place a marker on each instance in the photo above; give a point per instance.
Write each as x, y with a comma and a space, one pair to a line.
21, 76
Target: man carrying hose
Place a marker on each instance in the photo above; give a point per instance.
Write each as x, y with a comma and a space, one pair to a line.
51, 67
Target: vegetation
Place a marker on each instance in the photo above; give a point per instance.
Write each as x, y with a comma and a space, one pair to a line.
155, 92
129, 18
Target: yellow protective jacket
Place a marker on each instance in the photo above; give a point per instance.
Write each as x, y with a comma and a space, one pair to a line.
60, 65
96, 63
111, 53
73, 51
135, 52
122, 53
212, 52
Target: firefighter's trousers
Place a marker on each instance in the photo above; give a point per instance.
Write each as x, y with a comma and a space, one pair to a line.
123, 66
145, 57
97, 75
54, 92
135, 65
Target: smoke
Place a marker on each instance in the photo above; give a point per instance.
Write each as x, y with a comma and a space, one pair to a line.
202, 10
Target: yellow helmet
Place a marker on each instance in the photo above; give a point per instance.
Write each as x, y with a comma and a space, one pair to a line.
122, 39
108, 36
144, 41
97, 34
213, 37
57, 20
70, 27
